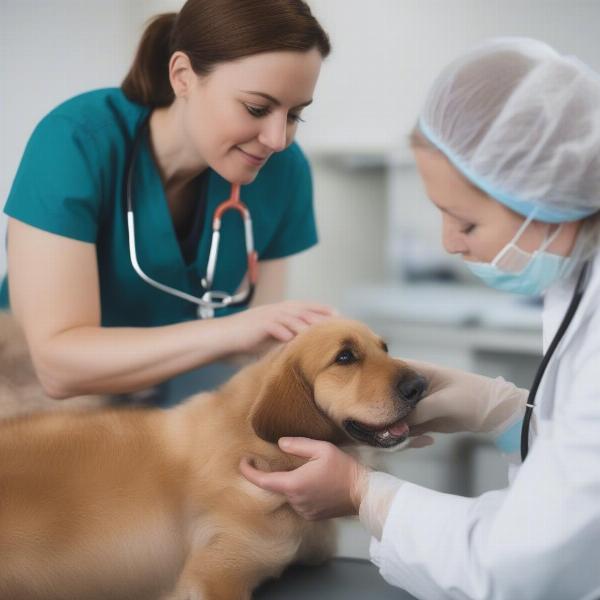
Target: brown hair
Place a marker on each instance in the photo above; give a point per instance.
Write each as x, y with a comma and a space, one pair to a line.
216, 31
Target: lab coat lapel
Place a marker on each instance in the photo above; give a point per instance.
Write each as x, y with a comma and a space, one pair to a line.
555, 308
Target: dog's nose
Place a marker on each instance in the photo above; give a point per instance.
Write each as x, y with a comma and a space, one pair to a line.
411, 388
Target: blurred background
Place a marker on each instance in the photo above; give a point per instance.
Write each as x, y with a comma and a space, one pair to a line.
380, 257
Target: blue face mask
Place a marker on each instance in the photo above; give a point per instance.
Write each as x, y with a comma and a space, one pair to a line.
514, 270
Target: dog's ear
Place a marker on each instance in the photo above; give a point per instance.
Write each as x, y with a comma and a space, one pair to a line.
286, 407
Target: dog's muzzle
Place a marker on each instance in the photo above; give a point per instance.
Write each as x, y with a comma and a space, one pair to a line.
409, 390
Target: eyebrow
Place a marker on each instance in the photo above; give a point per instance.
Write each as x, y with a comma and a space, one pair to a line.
454, 214
274, 100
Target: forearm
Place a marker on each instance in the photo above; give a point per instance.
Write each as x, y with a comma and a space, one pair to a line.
102, 360
380, 488
437, 545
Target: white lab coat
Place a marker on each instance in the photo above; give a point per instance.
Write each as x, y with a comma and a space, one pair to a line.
540, 537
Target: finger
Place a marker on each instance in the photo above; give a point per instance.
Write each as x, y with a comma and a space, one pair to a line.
302, 447
312, 317
322, 309
431, 407
431, 372
273, 482
295, 324
421, 441
417, 430
280, 332
418, 365
437, 425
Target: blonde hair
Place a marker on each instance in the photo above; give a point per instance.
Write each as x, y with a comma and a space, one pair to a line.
418, 141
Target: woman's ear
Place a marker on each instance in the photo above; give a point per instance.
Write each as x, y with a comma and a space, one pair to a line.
286, 407
181, 74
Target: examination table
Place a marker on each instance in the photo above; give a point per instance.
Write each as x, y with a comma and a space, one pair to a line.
339, 579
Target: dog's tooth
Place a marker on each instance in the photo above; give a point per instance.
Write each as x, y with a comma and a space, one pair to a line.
385, 434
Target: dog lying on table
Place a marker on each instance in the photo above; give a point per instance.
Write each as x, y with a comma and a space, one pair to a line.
149, 503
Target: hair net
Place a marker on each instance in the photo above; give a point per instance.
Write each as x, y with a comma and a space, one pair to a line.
522, 123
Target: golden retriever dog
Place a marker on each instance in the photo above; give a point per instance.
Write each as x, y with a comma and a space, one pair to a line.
123, 503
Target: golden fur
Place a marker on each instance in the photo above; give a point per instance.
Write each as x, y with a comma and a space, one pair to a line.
148, 503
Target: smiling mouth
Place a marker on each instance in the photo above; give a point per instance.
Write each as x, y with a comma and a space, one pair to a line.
387, 436
252, 157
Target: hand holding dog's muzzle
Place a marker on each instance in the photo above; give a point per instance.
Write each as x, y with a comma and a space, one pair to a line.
330, 484
460, 401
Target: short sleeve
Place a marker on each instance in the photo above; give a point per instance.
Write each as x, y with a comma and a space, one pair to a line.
58, 186
297, 229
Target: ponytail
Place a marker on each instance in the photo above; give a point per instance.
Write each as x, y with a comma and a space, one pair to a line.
148, 79
211, 32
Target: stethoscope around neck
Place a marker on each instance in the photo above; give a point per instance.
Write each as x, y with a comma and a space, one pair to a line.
210, 300
571, 310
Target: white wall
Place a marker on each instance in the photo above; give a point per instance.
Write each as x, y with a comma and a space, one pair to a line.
386, 53
51, 50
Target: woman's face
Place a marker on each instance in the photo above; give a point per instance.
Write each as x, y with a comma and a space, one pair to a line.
473, 224
243, 111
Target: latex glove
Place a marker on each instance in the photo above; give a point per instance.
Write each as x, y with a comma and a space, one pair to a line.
381, 489
330, 484
460, 401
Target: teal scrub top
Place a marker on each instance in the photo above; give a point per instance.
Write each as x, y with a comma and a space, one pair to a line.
71, 182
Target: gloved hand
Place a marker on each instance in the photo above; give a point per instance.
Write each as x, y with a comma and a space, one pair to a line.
460, 401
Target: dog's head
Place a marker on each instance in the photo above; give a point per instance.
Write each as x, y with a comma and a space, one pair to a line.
333, 382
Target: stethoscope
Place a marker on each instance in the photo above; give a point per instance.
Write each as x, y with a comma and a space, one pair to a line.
211, 299
575, 300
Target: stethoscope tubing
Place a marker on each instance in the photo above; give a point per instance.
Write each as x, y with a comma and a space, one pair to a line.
211, 299
569, 314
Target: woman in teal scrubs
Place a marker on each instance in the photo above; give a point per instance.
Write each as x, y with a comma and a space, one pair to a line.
214, 96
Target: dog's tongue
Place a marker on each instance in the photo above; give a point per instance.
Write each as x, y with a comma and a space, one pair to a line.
399, 429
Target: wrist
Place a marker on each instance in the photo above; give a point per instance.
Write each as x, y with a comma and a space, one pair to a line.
225, 335
497, 403
508, 437
511, 405
360, 486
380, 493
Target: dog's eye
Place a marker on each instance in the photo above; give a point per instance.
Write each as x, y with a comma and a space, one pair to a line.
345, 357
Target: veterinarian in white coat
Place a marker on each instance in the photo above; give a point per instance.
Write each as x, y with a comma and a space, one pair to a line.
508, 147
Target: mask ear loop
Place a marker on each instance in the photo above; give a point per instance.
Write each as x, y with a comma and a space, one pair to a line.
515, 238
549, 239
